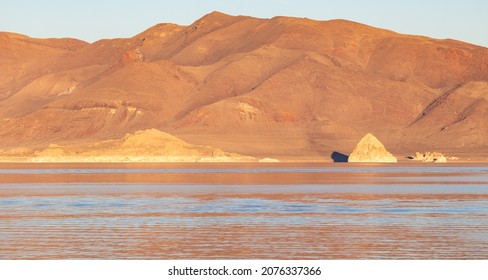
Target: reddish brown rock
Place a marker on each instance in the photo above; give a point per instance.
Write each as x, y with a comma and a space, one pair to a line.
285, 88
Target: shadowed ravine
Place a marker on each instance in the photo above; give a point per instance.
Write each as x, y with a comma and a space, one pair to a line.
263, 211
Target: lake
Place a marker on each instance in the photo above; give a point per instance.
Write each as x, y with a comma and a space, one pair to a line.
243, 211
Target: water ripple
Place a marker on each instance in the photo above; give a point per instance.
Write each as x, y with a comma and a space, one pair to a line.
332, 220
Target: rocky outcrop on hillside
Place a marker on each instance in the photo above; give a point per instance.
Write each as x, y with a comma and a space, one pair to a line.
149, 145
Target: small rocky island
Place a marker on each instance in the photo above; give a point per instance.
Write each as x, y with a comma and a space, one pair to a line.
370, 149
429, 157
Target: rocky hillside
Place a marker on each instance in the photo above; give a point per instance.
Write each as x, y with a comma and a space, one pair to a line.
287, 88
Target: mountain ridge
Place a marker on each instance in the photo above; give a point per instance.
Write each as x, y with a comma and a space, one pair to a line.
281, 87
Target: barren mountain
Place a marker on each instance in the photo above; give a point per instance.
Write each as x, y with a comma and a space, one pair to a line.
286, 88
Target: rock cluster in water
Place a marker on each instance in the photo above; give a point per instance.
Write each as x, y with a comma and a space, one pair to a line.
429, 157
370, 149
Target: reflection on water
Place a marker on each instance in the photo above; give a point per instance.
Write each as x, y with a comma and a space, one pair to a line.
236, 211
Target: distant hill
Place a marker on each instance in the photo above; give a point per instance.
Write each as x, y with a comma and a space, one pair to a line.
286, 88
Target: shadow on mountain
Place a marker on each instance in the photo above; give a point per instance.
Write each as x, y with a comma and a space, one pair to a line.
339, 157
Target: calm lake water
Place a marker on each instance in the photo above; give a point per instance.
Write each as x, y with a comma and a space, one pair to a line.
249, 211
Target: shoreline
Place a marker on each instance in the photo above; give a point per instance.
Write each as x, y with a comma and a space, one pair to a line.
183, 160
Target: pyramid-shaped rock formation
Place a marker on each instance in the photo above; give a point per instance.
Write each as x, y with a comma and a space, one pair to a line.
370, 149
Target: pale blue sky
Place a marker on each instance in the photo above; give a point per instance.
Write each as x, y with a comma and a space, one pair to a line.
90, 20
